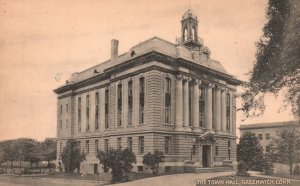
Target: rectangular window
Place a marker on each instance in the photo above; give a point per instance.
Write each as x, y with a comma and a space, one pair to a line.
67, 123
96, 147
167, 145
67, 108
79, 114
79, 145
228, 111
129, 144
201, 106
61, 110
168, 100
130, 102
97, 111
260, 136
119, 143
106, 108
194, 150
60, 148
61, 124
119, 103
216, 150
229, 149
267, 148
141, 145
87, 146
268, 137
106, 145
142, 100
87, 112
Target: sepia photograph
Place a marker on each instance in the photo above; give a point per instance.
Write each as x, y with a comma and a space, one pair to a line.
139, 92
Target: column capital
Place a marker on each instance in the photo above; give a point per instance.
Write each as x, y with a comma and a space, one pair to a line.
179, 77
210, 85
185, 78
223, 88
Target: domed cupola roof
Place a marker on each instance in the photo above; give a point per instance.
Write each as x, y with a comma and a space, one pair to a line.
189, 14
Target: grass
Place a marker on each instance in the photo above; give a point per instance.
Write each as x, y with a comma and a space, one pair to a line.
246, 181
288, 176
92, 177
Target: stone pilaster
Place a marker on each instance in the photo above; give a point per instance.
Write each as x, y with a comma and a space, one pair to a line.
186, 102
223, 106
208, 108
179, 101
218, 109
196, 103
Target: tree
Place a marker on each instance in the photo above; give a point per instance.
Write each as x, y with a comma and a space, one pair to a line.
119, 161
277, 66
72, 156
8, 153
284, 146
152, 161
48, 152
250, 151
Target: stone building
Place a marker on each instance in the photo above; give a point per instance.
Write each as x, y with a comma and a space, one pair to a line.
266, 131
157, 95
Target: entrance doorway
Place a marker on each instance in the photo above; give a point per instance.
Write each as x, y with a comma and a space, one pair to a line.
206, 155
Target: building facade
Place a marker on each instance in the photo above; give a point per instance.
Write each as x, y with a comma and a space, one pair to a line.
267, 131
157, 96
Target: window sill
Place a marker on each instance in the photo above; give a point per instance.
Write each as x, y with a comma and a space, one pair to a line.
130, 126
168, 124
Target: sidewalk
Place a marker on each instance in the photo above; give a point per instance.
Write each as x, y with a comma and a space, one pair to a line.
259, 174
173, 180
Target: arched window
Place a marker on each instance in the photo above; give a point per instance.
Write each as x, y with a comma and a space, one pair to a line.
194, 33
185, 34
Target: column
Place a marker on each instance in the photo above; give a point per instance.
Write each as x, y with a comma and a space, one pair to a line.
208, 117
200, 156
230, 108
196, 104
186, 102
179, 106
223, 106
218, 109
125, 104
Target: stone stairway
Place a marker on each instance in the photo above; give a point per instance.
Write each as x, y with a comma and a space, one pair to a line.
212, 169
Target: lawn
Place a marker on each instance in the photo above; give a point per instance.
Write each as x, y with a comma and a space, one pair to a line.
92, 177
247, 181
296, 177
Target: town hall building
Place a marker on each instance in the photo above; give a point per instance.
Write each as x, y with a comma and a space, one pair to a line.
156, 96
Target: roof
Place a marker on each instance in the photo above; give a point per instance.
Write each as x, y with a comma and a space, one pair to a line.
152, 44
189, 13
269, 125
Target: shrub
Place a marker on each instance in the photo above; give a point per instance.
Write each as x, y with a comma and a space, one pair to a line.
242, 169
152, 161
71, 156
119, 161
296, 170
268, 166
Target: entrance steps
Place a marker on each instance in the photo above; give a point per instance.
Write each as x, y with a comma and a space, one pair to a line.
212, 169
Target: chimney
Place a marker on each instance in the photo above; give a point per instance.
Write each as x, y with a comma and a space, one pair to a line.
114, 49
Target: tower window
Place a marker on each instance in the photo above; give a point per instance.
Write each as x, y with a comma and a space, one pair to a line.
130, 102
167, 100
142, 100
119, 103
185, 34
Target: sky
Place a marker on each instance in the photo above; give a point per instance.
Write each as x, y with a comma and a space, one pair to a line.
43, 42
